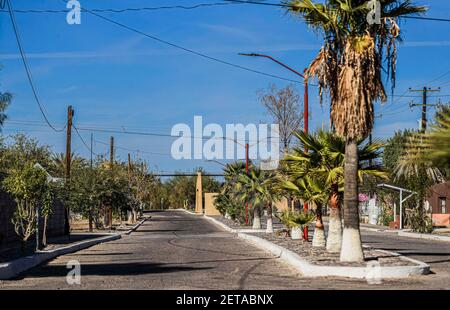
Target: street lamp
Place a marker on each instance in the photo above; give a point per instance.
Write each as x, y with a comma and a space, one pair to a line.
305, 83
305, 103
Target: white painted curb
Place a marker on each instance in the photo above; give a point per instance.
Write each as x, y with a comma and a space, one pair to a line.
184, 210
423, 236
308, 269
13, 268
220, 224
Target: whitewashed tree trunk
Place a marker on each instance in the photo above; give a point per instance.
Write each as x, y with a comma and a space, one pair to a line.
319, 231
256, 218
269, 228
351, 250
296, 233
129, 217
334, 240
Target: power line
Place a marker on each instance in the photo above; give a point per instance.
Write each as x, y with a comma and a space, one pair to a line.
134, 150
293, 6
196, 6
82, 140
25, 63
141, 133
137, 9
439, 77
187, 49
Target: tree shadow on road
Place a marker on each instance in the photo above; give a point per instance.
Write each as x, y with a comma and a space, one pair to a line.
116, 269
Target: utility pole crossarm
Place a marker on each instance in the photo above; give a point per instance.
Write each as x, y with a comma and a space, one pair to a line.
424, 104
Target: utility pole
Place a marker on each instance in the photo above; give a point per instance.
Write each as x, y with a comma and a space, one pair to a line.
246, 171
111, 152
92, 147
424, 91
129, 164
91, 180
111, 163
70, 114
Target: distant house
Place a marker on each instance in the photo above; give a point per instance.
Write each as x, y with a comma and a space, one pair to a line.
439, 201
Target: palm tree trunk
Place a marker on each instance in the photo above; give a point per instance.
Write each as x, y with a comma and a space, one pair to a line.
351, 240
334, 240
319, 231
256, 218
269, 228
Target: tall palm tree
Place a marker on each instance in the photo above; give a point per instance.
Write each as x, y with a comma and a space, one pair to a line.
325, 161
5, 100
349, 68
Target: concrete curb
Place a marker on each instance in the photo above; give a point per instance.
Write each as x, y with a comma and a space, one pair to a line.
13, 268
423, 236
308, 269
135, 226
187, 211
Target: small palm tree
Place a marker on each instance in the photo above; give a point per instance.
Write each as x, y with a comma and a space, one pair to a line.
228, 199
313, 191
349, 68
252, 188
325, 161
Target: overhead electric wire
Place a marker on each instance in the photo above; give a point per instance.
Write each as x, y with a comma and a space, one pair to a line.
27, 68
82, 140
293, 6
137, 9
141, 133
195, 6
133, 150
191, 51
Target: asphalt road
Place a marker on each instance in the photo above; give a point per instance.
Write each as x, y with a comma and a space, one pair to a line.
176, 250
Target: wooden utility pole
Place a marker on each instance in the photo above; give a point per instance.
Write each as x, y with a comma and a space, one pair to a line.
70, 114
111, 152
129, 164
424, 91
92, 148
111, 162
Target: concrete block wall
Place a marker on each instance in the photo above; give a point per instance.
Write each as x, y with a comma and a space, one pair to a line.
55, 226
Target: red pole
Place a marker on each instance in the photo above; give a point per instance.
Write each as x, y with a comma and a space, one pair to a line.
246, 170
306, 123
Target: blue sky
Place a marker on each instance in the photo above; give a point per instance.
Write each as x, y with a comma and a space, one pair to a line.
118, 79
